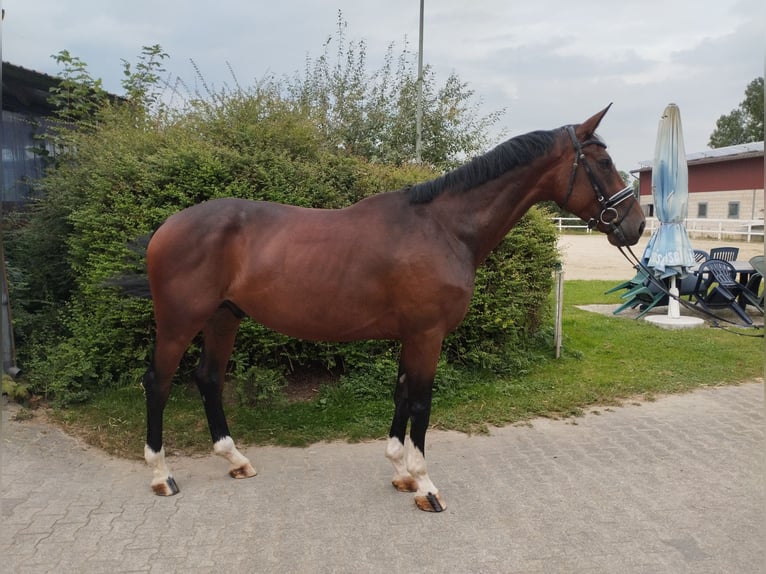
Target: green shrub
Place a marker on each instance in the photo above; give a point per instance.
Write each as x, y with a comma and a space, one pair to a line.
125, 174
258, 385
16, 391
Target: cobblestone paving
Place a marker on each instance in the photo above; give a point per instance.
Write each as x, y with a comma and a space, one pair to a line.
671, 486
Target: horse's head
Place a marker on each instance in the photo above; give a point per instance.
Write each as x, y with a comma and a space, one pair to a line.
595, 191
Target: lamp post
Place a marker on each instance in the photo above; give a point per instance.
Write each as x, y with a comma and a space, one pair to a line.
419, 112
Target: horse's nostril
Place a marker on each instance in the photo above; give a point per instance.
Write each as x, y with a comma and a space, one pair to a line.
641, 228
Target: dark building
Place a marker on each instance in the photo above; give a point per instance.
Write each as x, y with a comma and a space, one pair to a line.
25, 113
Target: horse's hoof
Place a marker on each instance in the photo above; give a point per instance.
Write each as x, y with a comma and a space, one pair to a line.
405, 484
166, 488
244, 471
430, 502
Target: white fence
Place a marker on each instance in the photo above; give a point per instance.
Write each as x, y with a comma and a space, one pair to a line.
563, 223
742, 229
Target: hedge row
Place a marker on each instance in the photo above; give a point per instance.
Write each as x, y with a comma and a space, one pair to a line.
121, 180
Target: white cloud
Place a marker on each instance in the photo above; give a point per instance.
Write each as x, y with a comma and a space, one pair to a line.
547, 62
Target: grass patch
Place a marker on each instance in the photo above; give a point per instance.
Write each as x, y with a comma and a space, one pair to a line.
606, 360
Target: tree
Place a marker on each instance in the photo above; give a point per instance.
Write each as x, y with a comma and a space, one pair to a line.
745, 123
373, 114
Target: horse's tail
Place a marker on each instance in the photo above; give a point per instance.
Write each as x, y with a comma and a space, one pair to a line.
131, 285
134, 284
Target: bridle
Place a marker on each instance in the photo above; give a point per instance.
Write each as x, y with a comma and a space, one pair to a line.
609, 216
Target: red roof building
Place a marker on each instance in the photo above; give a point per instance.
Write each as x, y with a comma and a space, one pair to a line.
724, 183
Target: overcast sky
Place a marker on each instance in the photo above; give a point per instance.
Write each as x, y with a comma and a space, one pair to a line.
546, 62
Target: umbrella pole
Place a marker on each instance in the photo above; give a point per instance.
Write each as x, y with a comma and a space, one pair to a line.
674, 307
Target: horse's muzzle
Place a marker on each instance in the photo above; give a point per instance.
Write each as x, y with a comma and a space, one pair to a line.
625, 233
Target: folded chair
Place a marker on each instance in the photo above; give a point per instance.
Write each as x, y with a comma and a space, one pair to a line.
649, 295
717, 288
636, 281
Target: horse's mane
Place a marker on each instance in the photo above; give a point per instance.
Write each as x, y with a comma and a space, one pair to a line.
515, 152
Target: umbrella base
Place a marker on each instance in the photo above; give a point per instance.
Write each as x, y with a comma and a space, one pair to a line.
666, 322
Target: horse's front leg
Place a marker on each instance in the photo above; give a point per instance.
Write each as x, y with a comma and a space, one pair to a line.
413, 400
427, 495
396, 451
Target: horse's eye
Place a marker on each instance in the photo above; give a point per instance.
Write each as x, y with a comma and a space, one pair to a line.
605, 163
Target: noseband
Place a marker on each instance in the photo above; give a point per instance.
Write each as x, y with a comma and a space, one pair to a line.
609, 216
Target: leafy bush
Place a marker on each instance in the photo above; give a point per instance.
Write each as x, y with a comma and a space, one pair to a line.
128, 171
257, 385
373, 114
18, 392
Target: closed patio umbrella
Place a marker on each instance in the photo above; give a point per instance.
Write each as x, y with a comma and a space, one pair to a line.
669, 253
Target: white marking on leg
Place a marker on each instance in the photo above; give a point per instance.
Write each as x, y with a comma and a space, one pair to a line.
416, 466
160, 470
395, 452
240, 465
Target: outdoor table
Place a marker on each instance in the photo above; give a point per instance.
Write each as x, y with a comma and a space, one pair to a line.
744, 269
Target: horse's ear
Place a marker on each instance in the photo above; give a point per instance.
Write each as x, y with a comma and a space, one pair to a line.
586, 129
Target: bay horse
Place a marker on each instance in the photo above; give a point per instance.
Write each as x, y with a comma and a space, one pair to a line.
396, 266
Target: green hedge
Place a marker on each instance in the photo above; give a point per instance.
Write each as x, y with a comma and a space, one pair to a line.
127, 176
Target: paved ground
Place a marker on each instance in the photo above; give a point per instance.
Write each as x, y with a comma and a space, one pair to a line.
673, 486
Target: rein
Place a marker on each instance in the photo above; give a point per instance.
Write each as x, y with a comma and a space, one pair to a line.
715, 320
609, 215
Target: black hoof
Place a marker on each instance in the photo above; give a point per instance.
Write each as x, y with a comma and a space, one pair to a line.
434, 502
430, 502
167, 488
172, 485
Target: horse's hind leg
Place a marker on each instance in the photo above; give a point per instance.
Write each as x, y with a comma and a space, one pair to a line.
156, 383
219, 334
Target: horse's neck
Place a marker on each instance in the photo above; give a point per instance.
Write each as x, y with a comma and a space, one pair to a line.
481, 217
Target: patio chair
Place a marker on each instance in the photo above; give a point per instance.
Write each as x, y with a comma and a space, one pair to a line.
636, 281
717, 288
649, 295
756, 279
724, 253
700, 255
